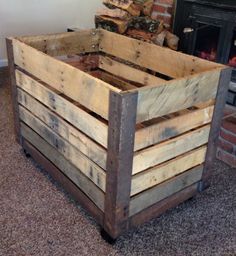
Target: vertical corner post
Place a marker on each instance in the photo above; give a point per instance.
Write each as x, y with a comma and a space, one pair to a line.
11, 65
225, 78
121, 134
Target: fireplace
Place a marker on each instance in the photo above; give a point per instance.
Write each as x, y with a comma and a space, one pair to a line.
207, 29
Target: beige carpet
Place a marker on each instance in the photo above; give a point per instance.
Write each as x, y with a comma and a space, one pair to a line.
38, 218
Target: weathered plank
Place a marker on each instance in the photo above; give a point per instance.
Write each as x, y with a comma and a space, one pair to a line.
177, 95
85, 62
163, 60
168, 128
89, 125
72, 82
87, 167
11, 66
159, 208
167, 150
122, 117
74, 174
64, 43
163, 172
127, 72
115, 81
85, 145
65, 182
164, 190
223, 85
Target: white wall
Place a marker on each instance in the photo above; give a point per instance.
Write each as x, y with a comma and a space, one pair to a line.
32, 17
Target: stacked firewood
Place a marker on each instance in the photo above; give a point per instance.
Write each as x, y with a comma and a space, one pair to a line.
133, 18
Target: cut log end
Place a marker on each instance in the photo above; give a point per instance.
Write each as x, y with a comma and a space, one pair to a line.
113, 13
111, 24
147, 24
127, 5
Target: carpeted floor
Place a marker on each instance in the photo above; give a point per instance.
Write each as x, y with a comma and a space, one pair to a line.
38, 218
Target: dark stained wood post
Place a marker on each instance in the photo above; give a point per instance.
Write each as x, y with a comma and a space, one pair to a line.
11, 66
224, 81
122, 122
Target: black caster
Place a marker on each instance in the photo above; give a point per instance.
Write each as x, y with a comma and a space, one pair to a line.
190, 199
107, 237
202, 186
27, 154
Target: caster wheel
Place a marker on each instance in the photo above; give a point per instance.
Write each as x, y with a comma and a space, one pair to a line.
107, 237
203, 185
190, 199
27, 154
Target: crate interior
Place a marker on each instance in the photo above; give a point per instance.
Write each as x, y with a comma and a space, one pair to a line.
125, 70
99, 66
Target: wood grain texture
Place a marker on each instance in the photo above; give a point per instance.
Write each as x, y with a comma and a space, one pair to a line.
86, 123
128, 72
177, 95
85, 145
163, 172
122, 115
116, 81
225, 78
64, 43
11, 66
70, 81
169, 149
159, 208
172, 127
87, 167
164, 190
74, 174
163, 60
67, 185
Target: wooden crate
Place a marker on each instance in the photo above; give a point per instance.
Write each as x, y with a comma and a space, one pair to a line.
128, 128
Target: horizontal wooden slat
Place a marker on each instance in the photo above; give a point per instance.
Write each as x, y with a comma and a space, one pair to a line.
163, 60
89, 125
163, 172
161, 207
169, 128
64, 43
115, 81
167, 150
164, 190
87, 167
74, 83
85, 62
176, 95
127, 72
89, 148
74, 174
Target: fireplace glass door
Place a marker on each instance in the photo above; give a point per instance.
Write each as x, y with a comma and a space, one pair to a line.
207, 41
203, 38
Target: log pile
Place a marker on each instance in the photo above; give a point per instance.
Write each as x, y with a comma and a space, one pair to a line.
133, 18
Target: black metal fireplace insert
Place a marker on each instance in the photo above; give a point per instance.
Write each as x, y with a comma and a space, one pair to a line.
207, 29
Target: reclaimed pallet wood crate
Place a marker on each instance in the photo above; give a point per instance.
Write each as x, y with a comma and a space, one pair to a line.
128, 128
